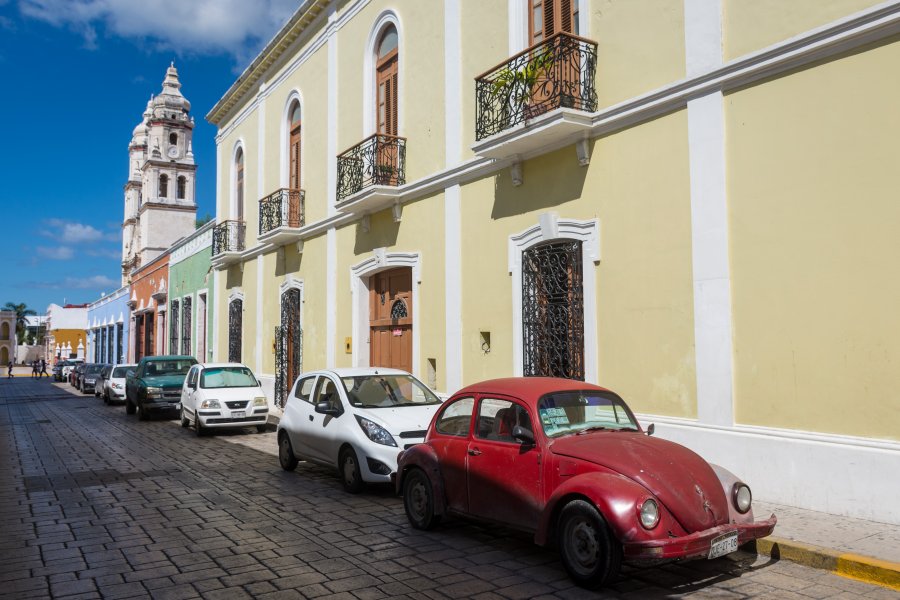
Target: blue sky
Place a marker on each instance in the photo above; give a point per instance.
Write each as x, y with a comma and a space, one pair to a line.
76, 77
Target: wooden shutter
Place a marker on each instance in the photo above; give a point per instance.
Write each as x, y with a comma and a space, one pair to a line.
387, 95
240, 187
295, 158
548, 17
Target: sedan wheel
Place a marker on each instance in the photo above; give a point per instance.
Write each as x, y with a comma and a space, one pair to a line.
588, 550
286, 453
418, 500
348, 466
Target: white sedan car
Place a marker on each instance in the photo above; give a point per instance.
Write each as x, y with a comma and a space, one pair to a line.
357, 420
114, 384
222, 395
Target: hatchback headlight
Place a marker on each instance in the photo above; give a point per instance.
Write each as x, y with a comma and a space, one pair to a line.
376, 432
210, 404
260, 401
741, 496
649, 513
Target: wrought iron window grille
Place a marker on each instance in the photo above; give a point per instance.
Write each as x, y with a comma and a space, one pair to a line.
186, 326
553, 310
558, 72
282, 208
228, 236
235, 331
380, 159
288, 346
173, 328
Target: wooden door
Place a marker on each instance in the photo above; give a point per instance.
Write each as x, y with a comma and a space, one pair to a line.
546, 18
293, 213
386, 106
390, 319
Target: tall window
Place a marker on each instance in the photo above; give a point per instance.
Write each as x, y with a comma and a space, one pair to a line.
173, 138
163, 186
173, 328
386, 68
239, 183
548, 17
235, 315
294, 149
182, 185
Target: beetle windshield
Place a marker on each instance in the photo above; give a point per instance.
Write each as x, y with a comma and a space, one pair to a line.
567, 412
227, 377
385, 391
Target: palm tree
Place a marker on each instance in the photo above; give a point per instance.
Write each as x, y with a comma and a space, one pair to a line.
21, 311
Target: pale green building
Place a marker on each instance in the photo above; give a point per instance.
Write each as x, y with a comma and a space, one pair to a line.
190, 297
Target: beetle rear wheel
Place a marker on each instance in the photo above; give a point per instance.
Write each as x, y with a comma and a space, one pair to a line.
418, 500
589, 552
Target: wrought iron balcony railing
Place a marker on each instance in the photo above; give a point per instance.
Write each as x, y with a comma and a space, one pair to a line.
282, 208
228, 236
556, 73
378, 160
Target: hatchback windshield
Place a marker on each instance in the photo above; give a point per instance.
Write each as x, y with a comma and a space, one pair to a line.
120, 372
385, 391
168, 367
227, 377
575, 412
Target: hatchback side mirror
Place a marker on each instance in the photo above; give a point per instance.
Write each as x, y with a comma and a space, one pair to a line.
651, 428
325, 408
523, 435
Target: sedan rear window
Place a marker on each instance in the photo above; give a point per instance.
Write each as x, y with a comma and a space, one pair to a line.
228, 377
577, 411
120, 372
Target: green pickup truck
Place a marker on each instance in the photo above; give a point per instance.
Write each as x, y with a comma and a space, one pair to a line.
155, 385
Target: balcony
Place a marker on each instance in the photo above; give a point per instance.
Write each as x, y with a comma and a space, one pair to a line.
228, 243
370, 172
281, 215
539, 97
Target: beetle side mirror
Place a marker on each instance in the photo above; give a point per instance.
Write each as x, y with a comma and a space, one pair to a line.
325, 408
523, 435
651, 428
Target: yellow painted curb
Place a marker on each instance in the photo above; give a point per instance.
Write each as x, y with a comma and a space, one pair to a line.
854, 566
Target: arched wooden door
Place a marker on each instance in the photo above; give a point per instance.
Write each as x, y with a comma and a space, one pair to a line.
390, 319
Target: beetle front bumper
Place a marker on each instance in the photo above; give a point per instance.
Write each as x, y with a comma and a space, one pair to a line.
695, 545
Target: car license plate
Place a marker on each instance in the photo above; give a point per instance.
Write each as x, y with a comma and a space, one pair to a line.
724, 544
238, 414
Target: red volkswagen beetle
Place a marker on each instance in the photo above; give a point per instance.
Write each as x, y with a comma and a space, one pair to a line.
568, 461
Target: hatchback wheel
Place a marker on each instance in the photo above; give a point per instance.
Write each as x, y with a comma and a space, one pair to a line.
184, 420
589, 552
286, 453
348, 465
199, 429
418, 500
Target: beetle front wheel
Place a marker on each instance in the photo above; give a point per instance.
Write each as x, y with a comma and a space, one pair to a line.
589, 552
418, 500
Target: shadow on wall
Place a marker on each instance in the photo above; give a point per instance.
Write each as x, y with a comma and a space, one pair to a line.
547, 181
287, 260
234, 277
382, 233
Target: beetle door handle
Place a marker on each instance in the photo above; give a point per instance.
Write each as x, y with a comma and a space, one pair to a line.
474, 452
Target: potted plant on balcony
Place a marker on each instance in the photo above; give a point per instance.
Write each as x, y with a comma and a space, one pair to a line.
514, 87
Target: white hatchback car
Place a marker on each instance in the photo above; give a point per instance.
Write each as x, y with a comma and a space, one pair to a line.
222, 395
357, 420
114, 384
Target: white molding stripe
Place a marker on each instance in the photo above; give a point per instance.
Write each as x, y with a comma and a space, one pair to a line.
830, 473
453, 325
260, 286
215, 332
702, 35
331, 234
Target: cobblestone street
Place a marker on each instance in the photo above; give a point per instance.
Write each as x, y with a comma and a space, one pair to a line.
97, 504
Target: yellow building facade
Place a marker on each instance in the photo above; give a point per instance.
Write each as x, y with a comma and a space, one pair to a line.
688, 201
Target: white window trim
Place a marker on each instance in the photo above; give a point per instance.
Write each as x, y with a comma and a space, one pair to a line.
370, 121
381, 260
551, 227
518, 23
238, 145
284, 151
205, 294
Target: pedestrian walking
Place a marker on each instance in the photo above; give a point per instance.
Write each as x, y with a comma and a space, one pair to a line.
44, 369
34, 369
9, 370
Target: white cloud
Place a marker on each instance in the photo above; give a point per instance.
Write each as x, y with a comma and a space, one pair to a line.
76, 233
55, 253
95, 282
236, 27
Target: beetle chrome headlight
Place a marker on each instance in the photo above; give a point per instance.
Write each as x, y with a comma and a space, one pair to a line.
649, 514
741, 497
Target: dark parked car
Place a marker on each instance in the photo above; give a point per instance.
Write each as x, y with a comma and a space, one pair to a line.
75, 375
568, 461
155, 385
90, 377
58, 369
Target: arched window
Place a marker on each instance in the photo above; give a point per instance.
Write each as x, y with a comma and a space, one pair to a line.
173, 138
239, 183
163, 186
182, 185
386, 68
294, 146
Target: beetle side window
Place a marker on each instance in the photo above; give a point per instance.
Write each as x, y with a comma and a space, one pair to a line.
456, 417
304, 389
496, 419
